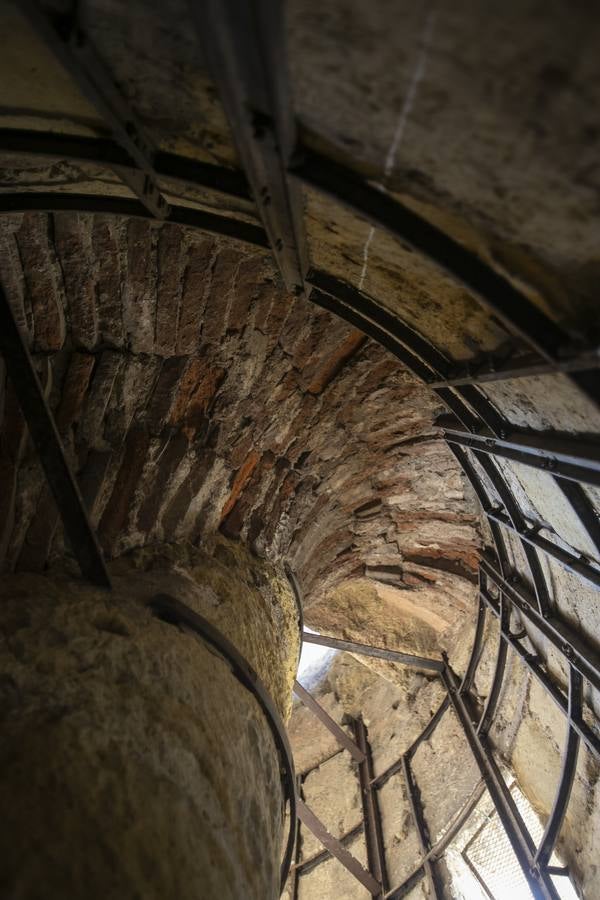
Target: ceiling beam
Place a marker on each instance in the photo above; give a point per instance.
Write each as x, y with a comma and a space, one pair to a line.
244, 44
73, 49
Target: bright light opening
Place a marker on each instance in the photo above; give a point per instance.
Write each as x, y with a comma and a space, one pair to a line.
314, 662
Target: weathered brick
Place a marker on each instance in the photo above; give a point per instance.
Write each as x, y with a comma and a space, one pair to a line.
43, 282
172, 242
73, 240
106, 241
116, 514
196, 286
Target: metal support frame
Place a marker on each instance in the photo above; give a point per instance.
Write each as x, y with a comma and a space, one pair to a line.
563, 637
371, 812
48, 444
244, 44
406, 659
245, 47
174, 612
188, 216
568, 560
421, 829
343, 739
538, 880
103, 151
75, 52
333, 845
560, 455
535, 666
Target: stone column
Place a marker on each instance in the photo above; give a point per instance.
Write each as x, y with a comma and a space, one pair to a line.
133, 763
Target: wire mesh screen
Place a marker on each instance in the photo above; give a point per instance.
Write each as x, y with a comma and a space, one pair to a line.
491, 858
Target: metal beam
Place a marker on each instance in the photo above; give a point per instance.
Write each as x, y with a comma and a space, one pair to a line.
343, 739
495, 292
190, 217
303, 868
493, 697
107, 152
567, 773
568, 560
174, 612
563, 637
370, 806
406, 659
48, 445
517, 523
560, 455
492, 370
435, 888
244, 44
425, 734
308, 818
388, 322
533, 663
437, 851
538, 881
75, 52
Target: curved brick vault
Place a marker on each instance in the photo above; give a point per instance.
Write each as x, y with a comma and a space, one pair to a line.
195, 394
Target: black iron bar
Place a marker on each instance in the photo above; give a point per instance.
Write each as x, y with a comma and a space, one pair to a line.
583, 508
370, 806
244, 45
308, 818
389, 322
562, 636
172, 611
567, 774
517, 312
436, 890
294, 868
343, 739
438, 849
50, 450
107, 152
517, 523
530, 660
410, 882
568, 560
412, 362
493, 697
539, 882
303, 868
491, 371
424, 735
191, 217
406, 659
73, 49
562, 457
503, 491
477, 647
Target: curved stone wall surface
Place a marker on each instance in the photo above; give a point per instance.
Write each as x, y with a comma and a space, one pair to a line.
134, 763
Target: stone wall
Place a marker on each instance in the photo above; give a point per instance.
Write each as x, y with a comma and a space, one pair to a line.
134, 763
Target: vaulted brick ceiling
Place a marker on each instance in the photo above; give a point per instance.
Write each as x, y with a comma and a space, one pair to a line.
194, 394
